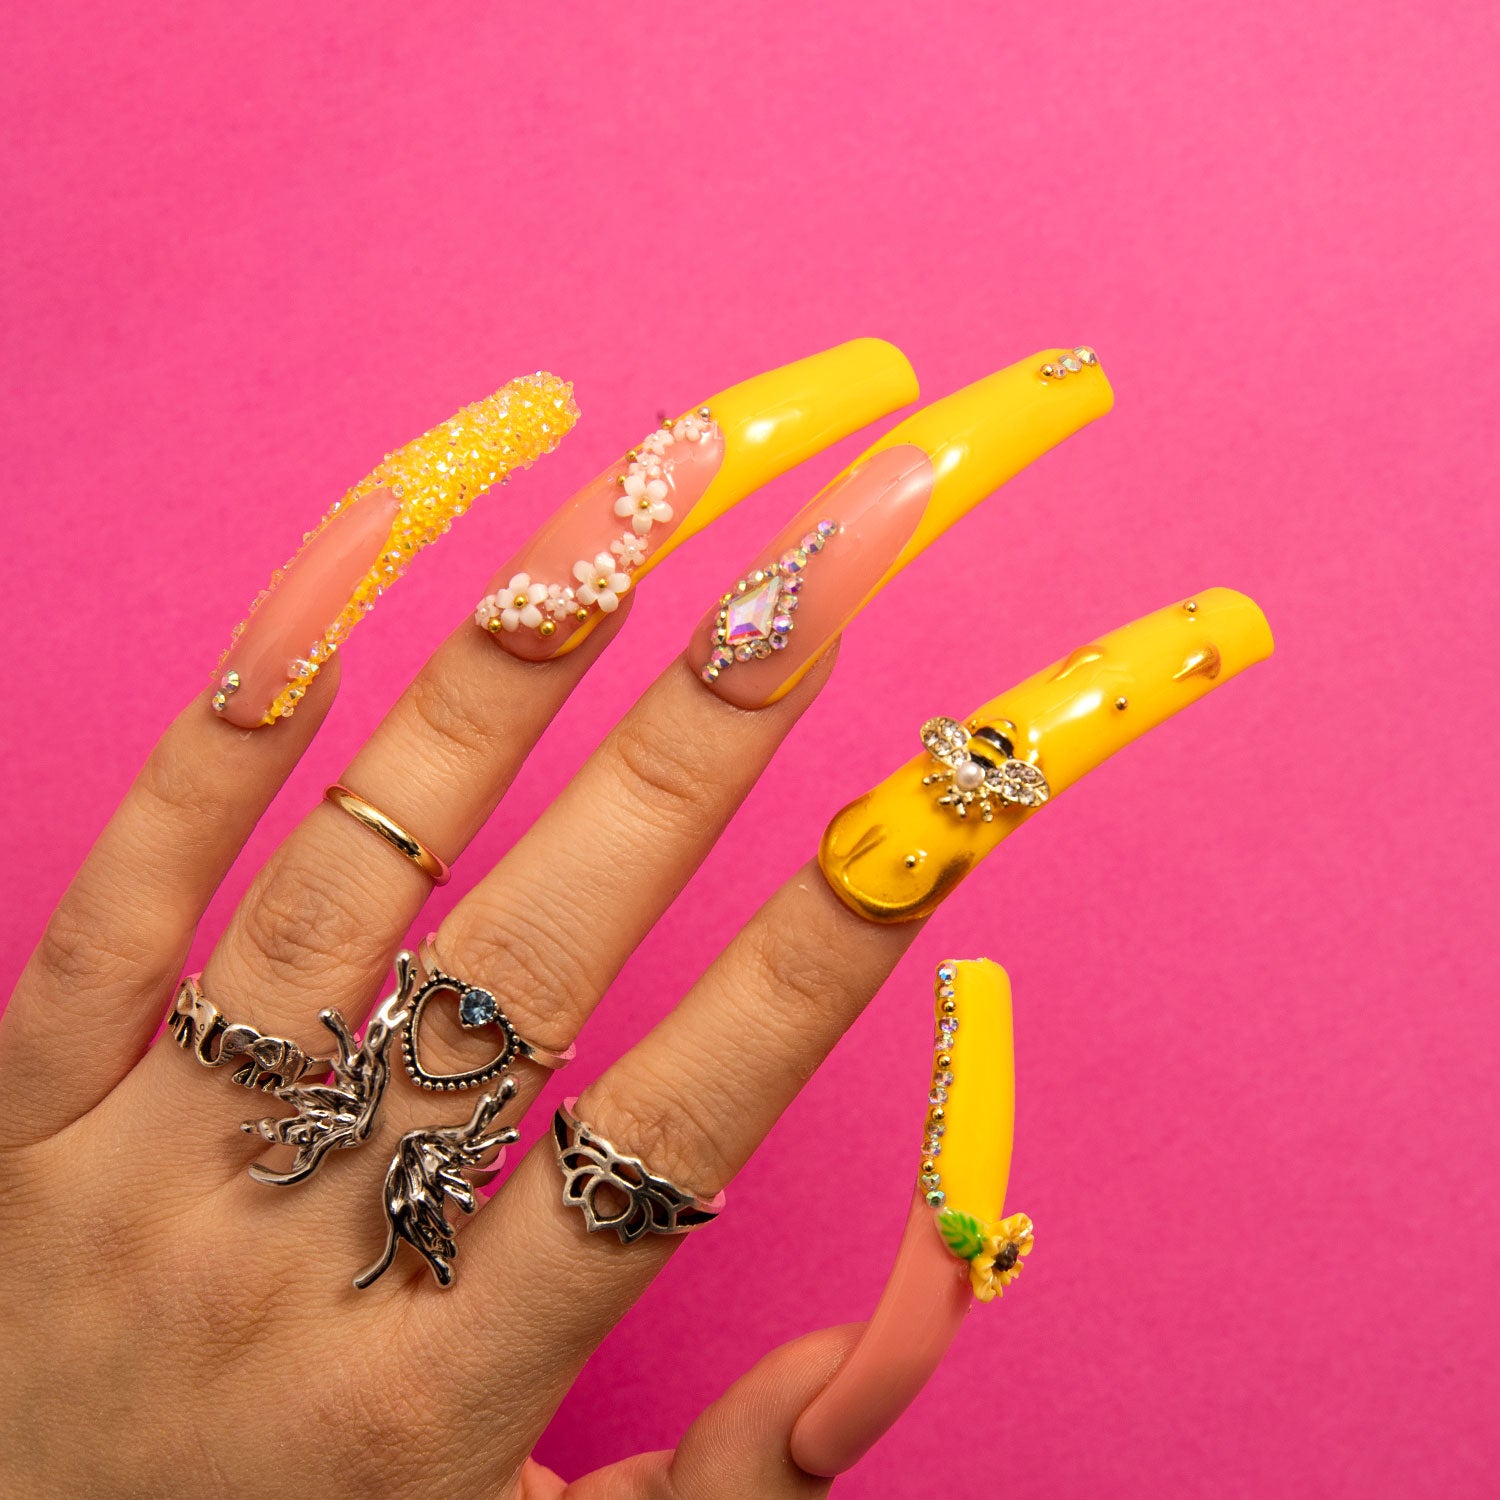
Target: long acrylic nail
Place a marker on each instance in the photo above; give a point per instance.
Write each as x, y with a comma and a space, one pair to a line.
898, 851
955, 1245
880, 513
369, 538
682, 476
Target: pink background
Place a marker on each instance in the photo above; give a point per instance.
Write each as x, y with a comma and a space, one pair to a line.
247, 249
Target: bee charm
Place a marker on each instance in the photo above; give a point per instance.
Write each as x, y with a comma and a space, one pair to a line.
980, 768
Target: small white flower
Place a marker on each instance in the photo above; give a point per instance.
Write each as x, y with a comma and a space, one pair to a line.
561, 603
519, 599
656, 443
644, 503
600, 583
486, 610
630, 550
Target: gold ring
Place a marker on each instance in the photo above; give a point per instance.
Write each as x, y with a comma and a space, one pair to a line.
392, 832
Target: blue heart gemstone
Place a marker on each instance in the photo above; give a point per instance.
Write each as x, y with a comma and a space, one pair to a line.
476, 1006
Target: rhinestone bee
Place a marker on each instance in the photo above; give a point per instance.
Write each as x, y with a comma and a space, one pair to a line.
979, 768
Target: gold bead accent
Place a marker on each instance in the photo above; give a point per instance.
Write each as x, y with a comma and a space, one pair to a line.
1191, 606
949, 1006
546, 628
945, 1062
937, 1114
1122, 704
494, 627
581, 613
929, 1166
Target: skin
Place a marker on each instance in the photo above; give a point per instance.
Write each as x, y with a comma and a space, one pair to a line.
173, 1327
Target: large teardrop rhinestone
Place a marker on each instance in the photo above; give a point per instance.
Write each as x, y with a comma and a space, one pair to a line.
749, 616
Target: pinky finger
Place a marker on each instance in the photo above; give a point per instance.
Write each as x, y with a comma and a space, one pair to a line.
738, 1449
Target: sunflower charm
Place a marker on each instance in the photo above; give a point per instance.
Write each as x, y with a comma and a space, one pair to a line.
980, 768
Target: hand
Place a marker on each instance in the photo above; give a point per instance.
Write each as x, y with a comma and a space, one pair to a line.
174, 1326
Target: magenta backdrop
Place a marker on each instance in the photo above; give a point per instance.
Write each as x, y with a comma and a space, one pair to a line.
246, 249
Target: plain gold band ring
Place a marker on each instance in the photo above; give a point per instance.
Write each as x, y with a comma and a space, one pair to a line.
391, 831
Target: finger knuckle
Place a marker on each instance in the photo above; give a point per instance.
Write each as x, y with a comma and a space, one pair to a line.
455, 723
304, 921
86, 951
662, 778
792, 978
649, 1115
537, 979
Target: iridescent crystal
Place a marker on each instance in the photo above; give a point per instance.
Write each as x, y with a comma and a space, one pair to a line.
750, 615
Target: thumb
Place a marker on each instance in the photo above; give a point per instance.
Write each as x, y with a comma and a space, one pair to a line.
739, 1448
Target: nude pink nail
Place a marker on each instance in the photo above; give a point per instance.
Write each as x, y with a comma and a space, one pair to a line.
919, 1313
812, 579
582, 562
274, 646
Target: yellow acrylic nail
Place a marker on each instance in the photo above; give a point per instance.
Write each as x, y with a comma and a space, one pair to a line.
966, 1158
897, 498
895, 853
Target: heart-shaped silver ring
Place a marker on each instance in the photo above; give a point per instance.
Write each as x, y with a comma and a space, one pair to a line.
477, 1009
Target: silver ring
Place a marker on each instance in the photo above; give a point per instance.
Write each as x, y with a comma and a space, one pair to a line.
651, 1204
266, 1063
477, 1007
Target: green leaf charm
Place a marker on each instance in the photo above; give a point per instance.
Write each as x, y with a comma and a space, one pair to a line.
962, 1233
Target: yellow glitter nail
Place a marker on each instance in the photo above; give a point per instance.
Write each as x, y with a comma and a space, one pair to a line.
430, 482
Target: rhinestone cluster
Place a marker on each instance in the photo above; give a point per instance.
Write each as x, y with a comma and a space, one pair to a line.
1070, 364
599, 581
435, 478
757, 616
942, 1087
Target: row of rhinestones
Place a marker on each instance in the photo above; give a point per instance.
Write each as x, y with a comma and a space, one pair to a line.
942, 1086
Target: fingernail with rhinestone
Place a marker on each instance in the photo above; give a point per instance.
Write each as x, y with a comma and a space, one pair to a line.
367, 541
897, 852
956, 1246
777, 618
577, 570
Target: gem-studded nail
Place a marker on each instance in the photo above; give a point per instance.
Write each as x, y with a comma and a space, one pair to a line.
956, 1246
369, 538
899, 850
917, 481
578, 569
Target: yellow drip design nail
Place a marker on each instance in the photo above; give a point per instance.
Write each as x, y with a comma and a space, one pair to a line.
434, 479
894, 854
